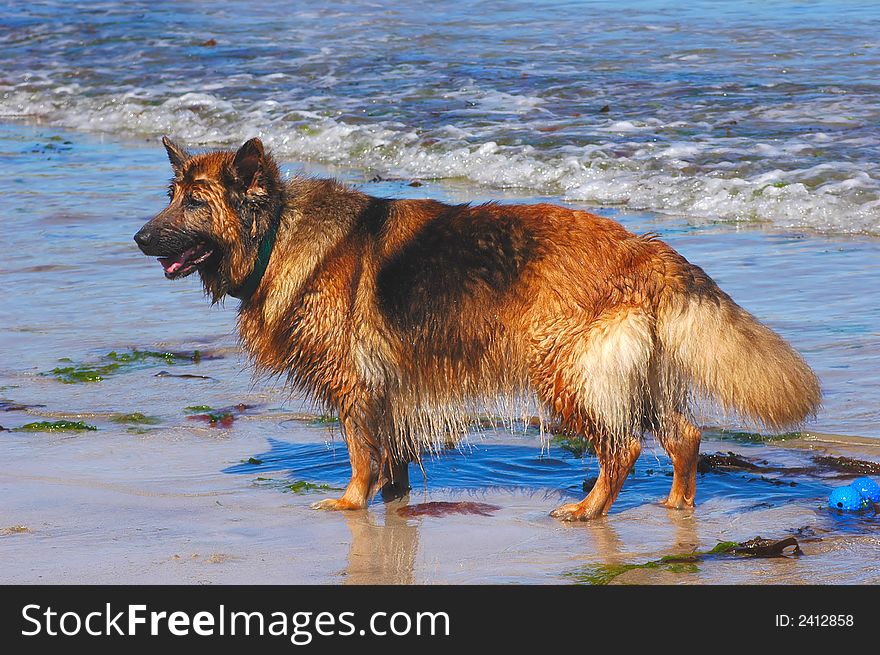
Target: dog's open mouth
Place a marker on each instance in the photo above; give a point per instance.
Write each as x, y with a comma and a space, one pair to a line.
186, 262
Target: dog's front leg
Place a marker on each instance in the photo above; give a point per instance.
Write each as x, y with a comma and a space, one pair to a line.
363, 474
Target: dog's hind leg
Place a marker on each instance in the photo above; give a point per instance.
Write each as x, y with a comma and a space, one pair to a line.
593, 380
363, 473
616, 466
681, 440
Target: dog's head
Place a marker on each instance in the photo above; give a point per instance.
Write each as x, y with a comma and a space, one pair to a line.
221, 205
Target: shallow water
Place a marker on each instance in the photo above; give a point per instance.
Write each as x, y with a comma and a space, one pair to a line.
182, 501
80, 289
712, 111
185, 504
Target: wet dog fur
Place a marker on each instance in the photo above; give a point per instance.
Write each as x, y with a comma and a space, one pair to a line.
408, 318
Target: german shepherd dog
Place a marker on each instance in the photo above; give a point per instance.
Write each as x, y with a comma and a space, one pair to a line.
408, 317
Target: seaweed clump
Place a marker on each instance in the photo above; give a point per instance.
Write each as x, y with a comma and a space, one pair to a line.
135, 418
688, 562
56, 426
117, 362
303, 487
573, 443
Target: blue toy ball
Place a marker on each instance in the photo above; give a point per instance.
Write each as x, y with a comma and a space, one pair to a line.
868, 488
847, 499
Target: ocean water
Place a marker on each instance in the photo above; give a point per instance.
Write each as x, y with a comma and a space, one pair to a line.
78, 288
741, 111
742, 133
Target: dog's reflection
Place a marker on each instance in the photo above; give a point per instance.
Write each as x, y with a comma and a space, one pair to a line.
384, 544
603, 546
382, 551
684, 524
602, 538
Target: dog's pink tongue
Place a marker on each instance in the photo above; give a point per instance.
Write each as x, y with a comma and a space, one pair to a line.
171, 264
174, 264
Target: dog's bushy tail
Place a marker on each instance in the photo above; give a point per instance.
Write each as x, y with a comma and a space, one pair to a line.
727, 356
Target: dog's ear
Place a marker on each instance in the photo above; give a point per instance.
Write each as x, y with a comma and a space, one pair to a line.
248, 165
176, 155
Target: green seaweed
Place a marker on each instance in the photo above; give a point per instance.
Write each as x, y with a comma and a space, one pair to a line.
603, 574
303, 487
116, 362
755, 437
197, 409
575, 444
325, 419
136, 418
81, 373
254, 461
148, 355
723, 547
56, 426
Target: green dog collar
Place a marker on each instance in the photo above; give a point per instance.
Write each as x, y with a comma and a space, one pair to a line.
250, 284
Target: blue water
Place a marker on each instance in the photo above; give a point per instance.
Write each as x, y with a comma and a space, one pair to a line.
733, 111
554, 471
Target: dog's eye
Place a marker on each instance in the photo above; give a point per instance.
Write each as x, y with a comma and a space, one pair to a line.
194, 203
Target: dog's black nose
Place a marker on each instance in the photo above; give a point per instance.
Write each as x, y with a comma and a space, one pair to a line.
144, 236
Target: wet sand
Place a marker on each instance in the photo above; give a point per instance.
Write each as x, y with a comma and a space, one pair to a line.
183, 505
181, 501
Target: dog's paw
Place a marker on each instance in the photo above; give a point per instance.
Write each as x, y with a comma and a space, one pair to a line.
569, 512
336, 504
575, 512
677, 503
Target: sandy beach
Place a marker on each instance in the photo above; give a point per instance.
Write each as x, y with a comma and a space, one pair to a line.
178, 506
